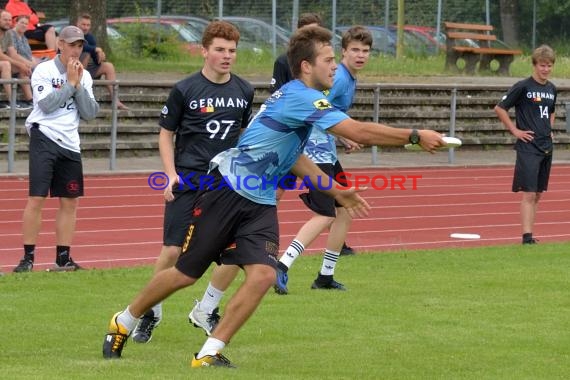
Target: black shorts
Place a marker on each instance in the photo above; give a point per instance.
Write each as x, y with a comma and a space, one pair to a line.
320, 202
177, 217
53, 169
532, 171
39, 33
222, 217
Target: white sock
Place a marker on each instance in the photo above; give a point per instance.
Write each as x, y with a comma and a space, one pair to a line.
211, 347
127, 320
211, 299
157, 310
329, 262
292, 252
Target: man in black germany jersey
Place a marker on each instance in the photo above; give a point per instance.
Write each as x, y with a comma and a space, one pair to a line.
206, 113
534, 100
63, 93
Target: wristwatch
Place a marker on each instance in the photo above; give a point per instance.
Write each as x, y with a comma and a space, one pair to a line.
414, 137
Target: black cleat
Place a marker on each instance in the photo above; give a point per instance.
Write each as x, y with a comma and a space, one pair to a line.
346, 250
25, 265
327, 282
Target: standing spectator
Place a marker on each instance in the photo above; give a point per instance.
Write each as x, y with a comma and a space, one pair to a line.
200, 133
227, 213
94, 58
36, 31
534, 100
63, 94
17, 64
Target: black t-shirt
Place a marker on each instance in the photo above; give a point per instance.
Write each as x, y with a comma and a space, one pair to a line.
534, 106
281, 73
206, 117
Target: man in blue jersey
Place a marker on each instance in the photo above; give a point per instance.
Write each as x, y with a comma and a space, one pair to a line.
270, 147
321, 149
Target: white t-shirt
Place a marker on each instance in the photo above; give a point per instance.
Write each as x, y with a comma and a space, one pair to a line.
61, 125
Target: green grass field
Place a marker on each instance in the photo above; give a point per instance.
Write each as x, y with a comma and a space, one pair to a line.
485, 313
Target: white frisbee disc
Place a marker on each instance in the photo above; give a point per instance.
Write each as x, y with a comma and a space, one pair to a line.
465, 236
450, 142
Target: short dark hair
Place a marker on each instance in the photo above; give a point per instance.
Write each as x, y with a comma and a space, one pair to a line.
303, 46
85, 16
308, 19
219, 29
356, 33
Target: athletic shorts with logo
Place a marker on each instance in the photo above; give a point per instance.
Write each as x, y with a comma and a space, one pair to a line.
53, 170
222, 217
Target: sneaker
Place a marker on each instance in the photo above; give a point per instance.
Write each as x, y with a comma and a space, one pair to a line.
346, 250
143, 331
327, 282
5, 105
201, 319
115, 339
530, 241
217, 360
281, 283
69, 266
24, 105
25, 265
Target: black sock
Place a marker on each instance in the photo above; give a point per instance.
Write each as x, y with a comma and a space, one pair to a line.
62, 254
29, 250
527, 237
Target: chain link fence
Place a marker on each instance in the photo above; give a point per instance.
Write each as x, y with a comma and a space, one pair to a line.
548, 25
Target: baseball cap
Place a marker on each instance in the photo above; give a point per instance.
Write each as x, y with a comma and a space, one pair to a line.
70, 34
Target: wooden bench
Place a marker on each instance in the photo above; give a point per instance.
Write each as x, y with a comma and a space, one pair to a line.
472, 44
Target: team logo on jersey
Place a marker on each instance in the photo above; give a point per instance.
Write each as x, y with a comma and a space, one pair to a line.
322, 104
164, 110
207, 109
40, 88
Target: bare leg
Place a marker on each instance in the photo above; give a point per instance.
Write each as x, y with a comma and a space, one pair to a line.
258, 279
167, 258
6, 73
313, 228
51, 39
65, 220
108, 71
529, 206
223, 276
162, 285
339, 230
32, 219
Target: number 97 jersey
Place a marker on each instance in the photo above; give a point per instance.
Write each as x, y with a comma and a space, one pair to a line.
206, 117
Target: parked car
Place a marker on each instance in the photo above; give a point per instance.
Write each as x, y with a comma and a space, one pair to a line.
164, 27
259, 32
58, 25
194, 22
384, 40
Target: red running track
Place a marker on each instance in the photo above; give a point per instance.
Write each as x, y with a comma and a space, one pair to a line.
120, 218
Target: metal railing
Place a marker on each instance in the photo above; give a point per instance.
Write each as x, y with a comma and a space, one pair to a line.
376, 88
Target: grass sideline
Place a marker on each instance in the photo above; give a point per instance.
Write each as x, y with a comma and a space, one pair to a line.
483, 313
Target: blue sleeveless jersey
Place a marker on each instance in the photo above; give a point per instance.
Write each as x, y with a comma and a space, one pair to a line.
274, 140
321, 147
